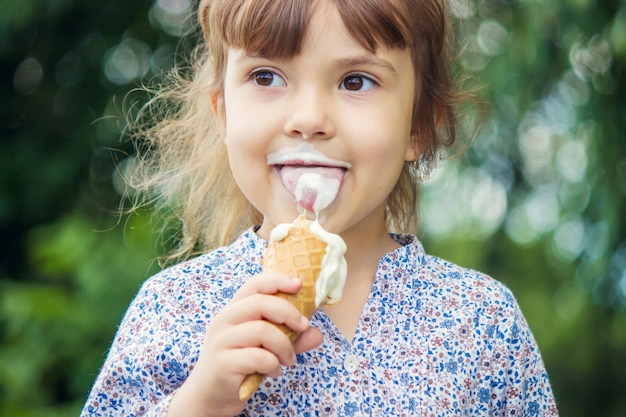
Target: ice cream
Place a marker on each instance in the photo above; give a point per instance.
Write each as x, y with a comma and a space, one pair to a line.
331, 272
305, 250
315, 192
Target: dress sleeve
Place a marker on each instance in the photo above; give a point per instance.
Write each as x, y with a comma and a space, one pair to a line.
151, 356
513, 377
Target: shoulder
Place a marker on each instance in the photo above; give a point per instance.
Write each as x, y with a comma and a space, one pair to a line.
433, 277
457, 295
453, 292
214, 276
469, 285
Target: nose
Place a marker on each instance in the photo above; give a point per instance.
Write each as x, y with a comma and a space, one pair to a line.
310, 117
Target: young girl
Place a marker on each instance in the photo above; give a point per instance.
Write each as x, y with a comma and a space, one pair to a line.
365, 86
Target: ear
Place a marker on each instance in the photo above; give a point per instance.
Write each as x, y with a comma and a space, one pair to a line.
217, 106
412, 149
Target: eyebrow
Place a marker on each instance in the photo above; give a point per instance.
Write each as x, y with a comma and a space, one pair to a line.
245, 57
356, 61
367, 61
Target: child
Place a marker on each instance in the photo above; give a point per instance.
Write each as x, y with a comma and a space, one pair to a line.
365, 84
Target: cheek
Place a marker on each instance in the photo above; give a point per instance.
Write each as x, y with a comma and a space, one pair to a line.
390, 119
383, 144
238, 137
248, 123
240, 129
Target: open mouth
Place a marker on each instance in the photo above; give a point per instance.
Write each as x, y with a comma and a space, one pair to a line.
306, 182
291, 174
307, 174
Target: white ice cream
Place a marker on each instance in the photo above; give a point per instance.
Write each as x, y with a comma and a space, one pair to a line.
334, 271
329, 285
304, 153
325, 189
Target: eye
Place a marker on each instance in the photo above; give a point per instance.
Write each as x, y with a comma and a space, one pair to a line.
357, 82
267, 78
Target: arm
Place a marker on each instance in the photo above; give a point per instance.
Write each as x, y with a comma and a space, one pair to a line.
143, 366
514, 375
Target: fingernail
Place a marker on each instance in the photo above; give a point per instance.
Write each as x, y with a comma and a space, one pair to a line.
304, 321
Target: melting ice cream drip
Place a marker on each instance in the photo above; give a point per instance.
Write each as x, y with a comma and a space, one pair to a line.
329, 285
316, 189
310, 177
323, 191
316, 192
333, 272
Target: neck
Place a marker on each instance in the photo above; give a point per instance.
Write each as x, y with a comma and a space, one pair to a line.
366, 245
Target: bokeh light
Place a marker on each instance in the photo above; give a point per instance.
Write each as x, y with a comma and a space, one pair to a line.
28, 76
172, 16
127, 62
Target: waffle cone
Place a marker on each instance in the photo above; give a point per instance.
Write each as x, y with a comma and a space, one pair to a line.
299, 254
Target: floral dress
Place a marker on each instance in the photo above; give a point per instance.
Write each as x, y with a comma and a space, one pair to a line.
434, 339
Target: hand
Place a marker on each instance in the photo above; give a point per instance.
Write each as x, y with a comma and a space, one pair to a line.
242, 340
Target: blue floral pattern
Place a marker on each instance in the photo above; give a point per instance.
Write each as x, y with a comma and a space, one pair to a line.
434, 339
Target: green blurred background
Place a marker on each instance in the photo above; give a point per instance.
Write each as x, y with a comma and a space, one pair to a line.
538, 202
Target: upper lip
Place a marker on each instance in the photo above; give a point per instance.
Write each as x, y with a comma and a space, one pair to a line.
304, 155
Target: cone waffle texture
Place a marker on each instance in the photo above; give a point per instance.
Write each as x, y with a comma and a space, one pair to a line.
299, 254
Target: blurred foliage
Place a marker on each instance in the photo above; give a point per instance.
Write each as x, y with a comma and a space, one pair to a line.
58, 322
538, 201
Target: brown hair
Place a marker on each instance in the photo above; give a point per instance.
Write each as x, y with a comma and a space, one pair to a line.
186, 166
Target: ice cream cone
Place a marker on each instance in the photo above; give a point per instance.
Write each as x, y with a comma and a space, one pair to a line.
299, 254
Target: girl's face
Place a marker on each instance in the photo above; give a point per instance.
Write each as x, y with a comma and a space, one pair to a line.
350, 104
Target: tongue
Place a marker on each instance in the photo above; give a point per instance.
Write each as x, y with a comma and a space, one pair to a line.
314, 188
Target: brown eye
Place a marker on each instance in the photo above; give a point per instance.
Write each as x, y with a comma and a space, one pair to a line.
353, 83
357, 82
268, 79
264, 78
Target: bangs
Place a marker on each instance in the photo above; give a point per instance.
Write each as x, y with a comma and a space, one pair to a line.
273, 28
375, 23
277, 28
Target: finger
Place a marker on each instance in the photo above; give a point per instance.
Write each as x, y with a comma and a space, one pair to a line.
254, 360
307, 340
264, 335
269, 283
265, 307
